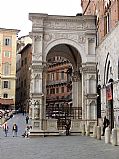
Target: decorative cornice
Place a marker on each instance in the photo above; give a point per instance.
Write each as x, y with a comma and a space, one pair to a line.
41, 21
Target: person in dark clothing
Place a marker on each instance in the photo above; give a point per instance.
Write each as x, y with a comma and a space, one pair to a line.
105, 124
67, 127
15, 130
27, 119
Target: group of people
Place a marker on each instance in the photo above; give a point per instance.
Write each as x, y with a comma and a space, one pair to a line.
14, 129
106, 123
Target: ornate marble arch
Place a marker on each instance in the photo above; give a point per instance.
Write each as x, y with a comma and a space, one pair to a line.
78, 35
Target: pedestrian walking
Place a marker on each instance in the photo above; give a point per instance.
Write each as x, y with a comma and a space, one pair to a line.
15, 130
67, 127
5, 129
105, 124
27, 119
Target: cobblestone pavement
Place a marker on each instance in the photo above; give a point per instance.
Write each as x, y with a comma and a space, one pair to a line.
62, 147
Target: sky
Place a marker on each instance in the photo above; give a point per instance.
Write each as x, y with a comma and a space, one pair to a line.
14, 14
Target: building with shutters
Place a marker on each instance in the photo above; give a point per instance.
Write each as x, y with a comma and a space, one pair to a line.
8, 39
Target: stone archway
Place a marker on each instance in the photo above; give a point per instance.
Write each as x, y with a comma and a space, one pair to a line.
77, 36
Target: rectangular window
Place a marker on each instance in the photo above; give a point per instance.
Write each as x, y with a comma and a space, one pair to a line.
7, 41
105, 25
7, 53
62, 75
53, 90
50, 91
57, 76
5, 95
52, 76
5, 85
62, 89
48, 77
6, 69
57, 90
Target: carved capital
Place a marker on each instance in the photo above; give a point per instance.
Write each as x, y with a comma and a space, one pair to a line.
82, 39
37, 38
76, 76
37, 56
91, 40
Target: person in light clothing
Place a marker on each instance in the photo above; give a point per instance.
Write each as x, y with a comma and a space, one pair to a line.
5, 129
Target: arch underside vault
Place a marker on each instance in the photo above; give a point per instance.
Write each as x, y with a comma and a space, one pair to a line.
74, 39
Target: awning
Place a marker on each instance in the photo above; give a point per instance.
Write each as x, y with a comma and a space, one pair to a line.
6, 101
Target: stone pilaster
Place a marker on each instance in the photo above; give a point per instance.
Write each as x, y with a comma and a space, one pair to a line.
76, 90
89, 91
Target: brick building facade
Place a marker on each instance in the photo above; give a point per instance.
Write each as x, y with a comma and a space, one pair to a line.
107, 12
107, 56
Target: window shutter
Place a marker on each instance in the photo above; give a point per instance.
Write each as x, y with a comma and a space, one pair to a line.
2, 84
9, 84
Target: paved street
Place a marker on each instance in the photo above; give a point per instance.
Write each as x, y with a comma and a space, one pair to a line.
62, 147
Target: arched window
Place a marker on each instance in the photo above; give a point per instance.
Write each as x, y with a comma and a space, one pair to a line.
105, 68
107, 73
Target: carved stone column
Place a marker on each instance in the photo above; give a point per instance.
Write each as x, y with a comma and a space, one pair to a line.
76, 89
77, 103
37, 93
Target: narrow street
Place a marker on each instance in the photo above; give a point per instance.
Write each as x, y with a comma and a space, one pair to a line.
62, 147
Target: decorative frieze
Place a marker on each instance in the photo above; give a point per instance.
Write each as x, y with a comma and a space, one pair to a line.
37, 67
89, 69
80, 38
64, 25
68, 24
